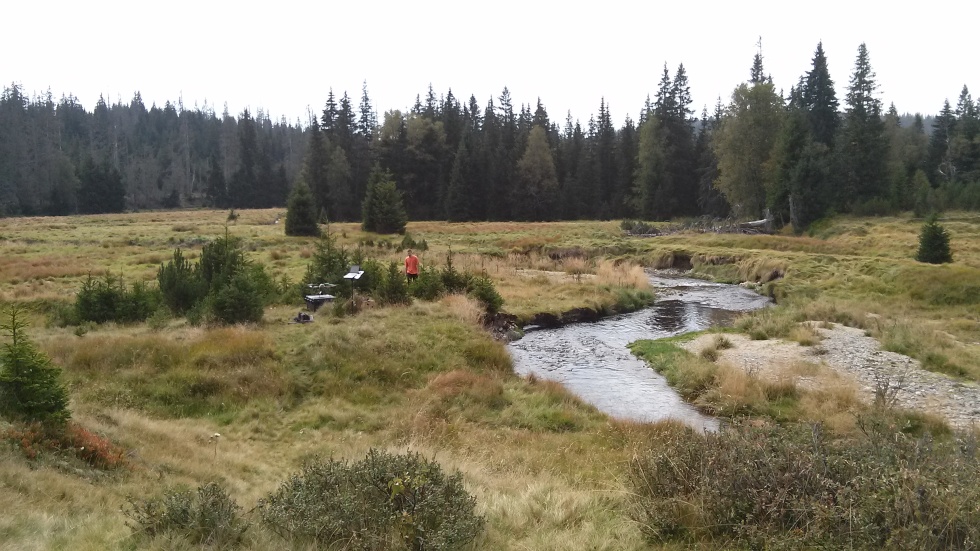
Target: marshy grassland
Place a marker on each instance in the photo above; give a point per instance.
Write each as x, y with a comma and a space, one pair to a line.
548, 472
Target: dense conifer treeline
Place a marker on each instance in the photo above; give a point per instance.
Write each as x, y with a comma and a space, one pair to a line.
796, 157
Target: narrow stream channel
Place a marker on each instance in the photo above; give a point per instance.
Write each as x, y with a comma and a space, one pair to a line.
592, 361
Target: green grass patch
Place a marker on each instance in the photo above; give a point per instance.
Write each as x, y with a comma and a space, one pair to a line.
690, 375
544, 406
724, 392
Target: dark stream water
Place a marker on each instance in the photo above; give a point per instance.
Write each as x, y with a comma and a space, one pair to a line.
592, 361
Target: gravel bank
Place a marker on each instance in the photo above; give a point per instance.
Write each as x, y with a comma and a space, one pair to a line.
855, 356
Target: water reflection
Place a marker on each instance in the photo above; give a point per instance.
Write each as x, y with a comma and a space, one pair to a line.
674, 316
591, 359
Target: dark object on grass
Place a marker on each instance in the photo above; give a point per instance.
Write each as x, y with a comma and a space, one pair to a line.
303, 317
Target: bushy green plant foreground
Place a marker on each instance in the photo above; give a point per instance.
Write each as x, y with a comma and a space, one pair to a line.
207, 517
796, 487
385, 501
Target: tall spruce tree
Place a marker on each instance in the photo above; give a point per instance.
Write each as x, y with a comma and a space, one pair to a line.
907, 148
537, 196
14, 151
243, 189
798, 180
425, 154
744, 142
627, 151
965, 144
342, 206
800, 171
651, 188
573, 156
820, 100
939, 165
101, 188
793, 137
301, 212
504, 158
367, 122
679, 128
711, 201
864, 147
216, 191
383, 210
611, 191
329, 116
316, 168
462, 197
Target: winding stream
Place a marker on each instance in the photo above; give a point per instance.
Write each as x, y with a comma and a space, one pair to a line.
592, 361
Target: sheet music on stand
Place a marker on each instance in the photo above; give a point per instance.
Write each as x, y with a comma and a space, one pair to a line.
355, 272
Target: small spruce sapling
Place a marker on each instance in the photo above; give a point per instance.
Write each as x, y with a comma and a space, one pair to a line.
30, 386
934, 243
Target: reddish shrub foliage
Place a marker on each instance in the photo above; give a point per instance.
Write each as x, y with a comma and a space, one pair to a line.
72, 438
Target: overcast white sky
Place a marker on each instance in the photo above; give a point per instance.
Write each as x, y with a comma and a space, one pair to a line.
284, 56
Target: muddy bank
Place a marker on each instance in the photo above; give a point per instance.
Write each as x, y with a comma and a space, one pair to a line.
508, 327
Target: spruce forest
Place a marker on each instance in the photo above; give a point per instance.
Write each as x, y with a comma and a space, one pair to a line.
794, 155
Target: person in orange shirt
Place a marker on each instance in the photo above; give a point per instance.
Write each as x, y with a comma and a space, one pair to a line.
411, 266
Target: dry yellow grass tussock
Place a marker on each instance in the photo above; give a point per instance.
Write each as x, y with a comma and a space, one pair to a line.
761, 270
463, 307
575, 266
15, 269
458, 382
805, 334
622, 274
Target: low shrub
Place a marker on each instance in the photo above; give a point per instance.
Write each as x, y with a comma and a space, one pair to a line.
328, 262
208, 516
108, 299
97, 451
384, 501
453, 280
794, 487
482, 289
223, 286
709, 353
428, 286
393, 287
638, 227
238, 302
408, 242
721, 342
31, 439
35, 439
179, 284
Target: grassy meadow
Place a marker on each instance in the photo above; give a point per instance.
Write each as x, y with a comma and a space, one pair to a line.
548, 471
